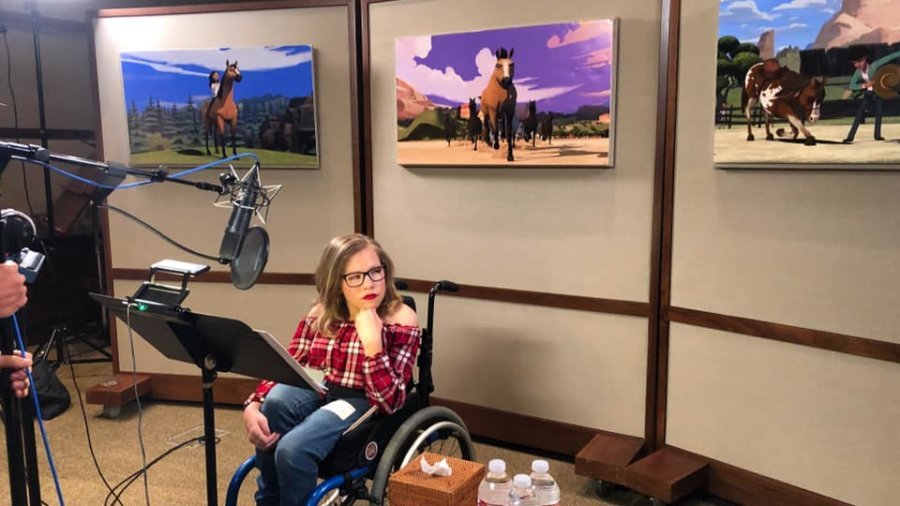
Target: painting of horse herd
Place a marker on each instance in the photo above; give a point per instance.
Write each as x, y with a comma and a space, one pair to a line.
808, 84
187, 107
529, 96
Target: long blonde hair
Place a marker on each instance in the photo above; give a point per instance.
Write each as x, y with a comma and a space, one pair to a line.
329, 277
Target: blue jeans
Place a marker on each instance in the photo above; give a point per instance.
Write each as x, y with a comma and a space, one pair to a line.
870, 99
309, 428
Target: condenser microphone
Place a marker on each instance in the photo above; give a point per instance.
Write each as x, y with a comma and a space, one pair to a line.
239, 222
246, 248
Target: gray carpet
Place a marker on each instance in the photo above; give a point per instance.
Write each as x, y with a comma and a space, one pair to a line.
179, 478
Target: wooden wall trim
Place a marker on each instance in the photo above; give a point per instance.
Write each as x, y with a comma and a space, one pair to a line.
362, 188
842, 343
217, 7
544, 299
746, 487
661, 246
106, 277
266, 278
366, 192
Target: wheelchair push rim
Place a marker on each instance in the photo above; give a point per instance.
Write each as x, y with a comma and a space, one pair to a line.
434, 424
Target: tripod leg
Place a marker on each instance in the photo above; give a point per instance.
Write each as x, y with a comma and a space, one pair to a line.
14, 455
12, 414
28, 443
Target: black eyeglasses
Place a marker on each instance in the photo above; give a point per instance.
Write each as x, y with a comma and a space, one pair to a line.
355, 279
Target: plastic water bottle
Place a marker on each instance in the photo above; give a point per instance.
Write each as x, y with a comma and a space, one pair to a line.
522, 493
496, 485
545, 488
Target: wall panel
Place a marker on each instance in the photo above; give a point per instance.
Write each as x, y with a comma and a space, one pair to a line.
313, 206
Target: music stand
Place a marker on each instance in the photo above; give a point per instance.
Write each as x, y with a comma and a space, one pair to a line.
214, 344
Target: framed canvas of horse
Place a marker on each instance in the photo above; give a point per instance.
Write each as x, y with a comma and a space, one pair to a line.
526, 96
808, 84
187, 107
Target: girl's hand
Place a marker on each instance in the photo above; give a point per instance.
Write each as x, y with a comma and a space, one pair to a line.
257, 427
368, 327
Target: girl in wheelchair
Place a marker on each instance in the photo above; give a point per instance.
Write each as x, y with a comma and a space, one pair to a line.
364, 338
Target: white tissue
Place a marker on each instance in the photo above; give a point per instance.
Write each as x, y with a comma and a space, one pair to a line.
441, 468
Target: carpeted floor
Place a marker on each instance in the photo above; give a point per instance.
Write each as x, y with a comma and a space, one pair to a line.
179, 478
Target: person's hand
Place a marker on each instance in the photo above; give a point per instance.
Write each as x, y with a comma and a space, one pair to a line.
12, 289
18, 379
257, 427
368, 327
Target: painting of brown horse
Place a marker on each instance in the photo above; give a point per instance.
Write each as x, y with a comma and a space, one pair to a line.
782, 93
498, 102
222, 110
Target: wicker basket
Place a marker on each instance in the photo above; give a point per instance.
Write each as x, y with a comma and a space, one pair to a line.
411, 487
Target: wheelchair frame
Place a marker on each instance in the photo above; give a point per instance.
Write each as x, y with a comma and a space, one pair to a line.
426, 425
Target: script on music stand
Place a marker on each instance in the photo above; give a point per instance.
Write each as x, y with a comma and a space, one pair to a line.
187, 336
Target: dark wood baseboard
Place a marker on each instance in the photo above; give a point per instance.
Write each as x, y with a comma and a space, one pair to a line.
724, 480
522, 430
746, 487
182, 387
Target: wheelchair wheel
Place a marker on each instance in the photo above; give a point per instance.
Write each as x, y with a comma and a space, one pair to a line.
434, 429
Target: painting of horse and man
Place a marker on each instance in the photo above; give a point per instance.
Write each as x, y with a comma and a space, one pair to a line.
186, 107
819, 90
532, 96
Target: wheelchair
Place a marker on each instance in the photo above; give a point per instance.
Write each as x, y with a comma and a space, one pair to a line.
358, 467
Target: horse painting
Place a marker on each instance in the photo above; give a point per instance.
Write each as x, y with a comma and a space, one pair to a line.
498, 102
547, 129
473, 127
530, 124
782, 93
221, 110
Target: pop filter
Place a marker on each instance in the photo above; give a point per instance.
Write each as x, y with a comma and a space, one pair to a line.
251, 258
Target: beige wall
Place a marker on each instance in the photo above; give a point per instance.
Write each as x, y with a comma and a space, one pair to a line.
313, 206
578, 232
815, 250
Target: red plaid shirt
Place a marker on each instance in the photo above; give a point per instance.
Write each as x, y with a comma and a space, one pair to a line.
383, 376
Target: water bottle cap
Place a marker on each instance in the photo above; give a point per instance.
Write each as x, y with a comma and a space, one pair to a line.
540, 466
497, 466
522, 481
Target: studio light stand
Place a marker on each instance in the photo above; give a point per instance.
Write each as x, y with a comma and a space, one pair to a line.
61, 334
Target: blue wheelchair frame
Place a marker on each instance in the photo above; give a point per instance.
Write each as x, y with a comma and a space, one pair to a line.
426, 425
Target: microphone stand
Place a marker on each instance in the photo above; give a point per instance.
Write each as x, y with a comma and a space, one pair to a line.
42, 117
18, 418
18, 413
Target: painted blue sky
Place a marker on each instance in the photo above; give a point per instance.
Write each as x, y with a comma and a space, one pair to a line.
172, 76
563, 66
796, 22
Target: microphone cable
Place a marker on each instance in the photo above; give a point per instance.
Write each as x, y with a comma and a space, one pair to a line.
156, 231
37, 411
177, 175
128, 480
137, 399
87, 430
